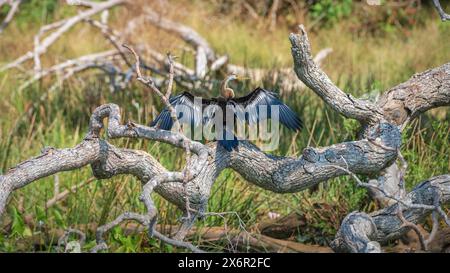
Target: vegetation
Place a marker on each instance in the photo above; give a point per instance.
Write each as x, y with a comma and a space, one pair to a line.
365, 61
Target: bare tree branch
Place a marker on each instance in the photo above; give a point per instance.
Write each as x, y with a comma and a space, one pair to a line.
184, 32
318, 81
58, 196
95, 59
62, 27
63, 240
14, 7
286, 77
402, 103
444, 16
273, 14
251, 10
361, 232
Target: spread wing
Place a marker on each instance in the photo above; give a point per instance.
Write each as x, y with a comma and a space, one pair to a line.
249, 106
188, 110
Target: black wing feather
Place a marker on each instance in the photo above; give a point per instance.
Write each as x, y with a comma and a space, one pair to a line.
186, 109
259, 97
249, 104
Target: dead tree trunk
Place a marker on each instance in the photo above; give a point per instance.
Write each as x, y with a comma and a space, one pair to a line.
377, 149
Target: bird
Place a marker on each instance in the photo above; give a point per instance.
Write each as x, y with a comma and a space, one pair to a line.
246, 109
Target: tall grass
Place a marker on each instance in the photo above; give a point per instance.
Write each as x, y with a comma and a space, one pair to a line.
360, 64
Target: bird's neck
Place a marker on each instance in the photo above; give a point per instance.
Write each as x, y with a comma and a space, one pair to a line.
225, 91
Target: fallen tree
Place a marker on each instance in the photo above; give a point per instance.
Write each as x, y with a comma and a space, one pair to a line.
374, 153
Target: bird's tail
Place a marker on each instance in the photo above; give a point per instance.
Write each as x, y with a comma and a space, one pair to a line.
229, 141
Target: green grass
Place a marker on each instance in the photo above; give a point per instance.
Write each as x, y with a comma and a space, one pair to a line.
360, 64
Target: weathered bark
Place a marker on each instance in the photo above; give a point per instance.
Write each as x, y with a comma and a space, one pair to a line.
318, 81
423, 91
278, 174
361, 232
376, 150
389, 181
315, 165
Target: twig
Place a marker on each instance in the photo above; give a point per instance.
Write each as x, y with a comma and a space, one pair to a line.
251, 10
402, 194
177, 243
171, 74
412, 226
150, 84
165, 98
222, 215
113, 37
59, 196
370, 186
434, 229
273, 14
437, 210
77, 246
146, 220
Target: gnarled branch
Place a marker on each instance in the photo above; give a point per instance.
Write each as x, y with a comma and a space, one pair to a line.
376, 150
318, 81
361, 232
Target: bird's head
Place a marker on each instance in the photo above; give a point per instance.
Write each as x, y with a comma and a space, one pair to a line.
234, 76
225, 91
